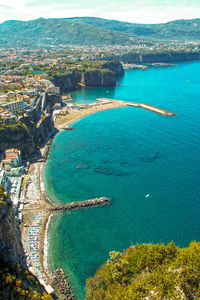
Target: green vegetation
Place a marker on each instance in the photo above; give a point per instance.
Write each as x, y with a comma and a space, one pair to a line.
153, 271
13, 130
18, 283
93, 31
68, 68
3, 196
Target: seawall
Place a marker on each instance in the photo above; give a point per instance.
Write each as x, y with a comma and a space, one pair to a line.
80, 204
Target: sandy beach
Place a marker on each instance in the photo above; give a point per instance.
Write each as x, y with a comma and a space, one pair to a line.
76, 114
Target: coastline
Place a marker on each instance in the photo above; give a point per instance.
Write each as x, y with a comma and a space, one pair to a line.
77, 114
38, 207
37, 202
45, 263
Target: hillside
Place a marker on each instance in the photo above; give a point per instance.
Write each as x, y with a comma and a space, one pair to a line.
148, 272
93, 31
175, 30
59, 31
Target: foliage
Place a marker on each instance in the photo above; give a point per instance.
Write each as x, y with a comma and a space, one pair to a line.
3, 196
152, 271
18, 283
93, 31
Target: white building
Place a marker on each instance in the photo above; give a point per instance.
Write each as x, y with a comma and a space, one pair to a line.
13, 106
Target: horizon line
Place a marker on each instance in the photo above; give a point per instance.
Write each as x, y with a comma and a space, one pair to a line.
79, 17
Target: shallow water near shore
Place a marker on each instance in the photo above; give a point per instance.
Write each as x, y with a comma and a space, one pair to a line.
125, 154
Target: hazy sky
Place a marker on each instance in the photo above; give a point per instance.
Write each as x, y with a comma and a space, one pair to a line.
138, 11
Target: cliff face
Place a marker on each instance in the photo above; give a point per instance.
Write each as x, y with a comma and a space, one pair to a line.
160, 57
68, 82
114, 66
10, 239
16, 282
17, 136
39, 121
42, 129
99, 78
104, 75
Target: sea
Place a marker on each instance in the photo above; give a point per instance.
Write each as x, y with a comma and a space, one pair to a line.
148, 164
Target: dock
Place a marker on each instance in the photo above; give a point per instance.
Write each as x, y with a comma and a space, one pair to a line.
80, 204
153, 108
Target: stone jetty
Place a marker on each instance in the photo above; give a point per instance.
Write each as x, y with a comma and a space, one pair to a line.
153, 108
80, 204
62, 284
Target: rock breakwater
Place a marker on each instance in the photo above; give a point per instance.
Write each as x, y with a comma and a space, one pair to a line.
81, 204
63, 285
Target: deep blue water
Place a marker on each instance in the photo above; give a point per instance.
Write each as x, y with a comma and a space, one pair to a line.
125, 154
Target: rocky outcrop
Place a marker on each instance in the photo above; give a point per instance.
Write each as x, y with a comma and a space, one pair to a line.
114, 66
43, 128
159, 57
39, 121
103, 75
16, 282
10, 238
99, 78
67, 82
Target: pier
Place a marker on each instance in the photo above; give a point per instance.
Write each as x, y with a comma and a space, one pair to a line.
153, 108
80, 204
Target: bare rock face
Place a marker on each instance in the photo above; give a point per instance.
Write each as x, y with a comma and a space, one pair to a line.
68, 82
94, 77
114, 66
99, 78
44, 127
10, 238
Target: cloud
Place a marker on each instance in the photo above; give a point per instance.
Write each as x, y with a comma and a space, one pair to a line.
153, 15
139, 11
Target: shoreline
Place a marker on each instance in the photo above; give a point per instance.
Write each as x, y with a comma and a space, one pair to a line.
38, 208
37, 203
75, 115
45, 263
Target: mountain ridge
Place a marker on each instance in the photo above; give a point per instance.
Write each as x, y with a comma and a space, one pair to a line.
95, 31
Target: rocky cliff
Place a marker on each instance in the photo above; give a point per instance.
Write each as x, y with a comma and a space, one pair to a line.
16, 282
159, 57
99, 78
10, 238
67, 82
42, 129
102, 75
114, 66
32, 131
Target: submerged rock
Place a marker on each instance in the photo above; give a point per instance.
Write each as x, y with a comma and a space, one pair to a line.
82, 166
151, 158
105, 171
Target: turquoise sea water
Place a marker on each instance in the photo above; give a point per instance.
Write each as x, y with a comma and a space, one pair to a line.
125, 154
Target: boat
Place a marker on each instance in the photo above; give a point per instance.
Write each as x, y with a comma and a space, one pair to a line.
68, 128
147, 195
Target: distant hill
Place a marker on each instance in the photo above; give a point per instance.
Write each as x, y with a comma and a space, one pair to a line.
93, 31
175, 30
